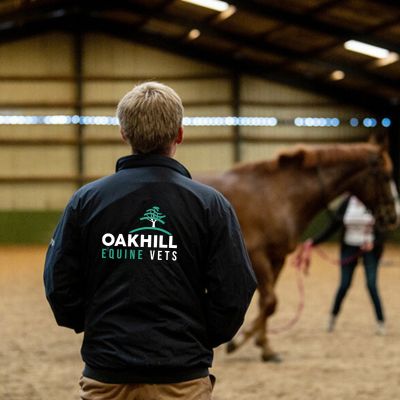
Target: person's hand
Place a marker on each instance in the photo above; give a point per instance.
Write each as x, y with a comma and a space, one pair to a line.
367, 246
303, 256
308, 244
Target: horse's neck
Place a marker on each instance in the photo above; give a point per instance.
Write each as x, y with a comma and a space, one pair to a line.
339, 178
323, 185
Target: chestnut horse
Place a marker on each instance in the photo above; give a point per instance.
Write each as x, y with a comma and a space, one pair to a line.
275, 201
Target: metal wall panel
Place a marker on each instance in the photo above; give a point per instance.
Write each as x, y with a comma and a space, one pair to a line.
41, 77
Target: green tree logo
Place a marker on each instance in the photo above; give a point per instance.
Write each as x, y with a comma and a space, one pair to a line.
153, 215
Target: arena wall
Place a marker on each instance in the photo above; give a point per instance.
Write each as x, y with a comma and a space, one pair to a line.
41, 165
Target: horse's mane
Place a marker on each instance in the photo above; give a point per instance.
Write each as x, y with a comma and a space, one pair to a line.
310, 156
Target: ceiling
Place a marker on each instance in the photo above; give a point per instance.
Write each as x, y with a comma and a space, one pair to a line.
296, 42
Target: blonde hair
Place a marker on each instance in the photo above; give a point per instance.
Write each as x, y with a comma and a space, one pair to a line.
150, 116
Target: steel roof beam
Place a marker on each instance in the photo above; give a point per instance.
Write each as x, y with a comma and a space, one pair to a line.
71, 20
310, 22
374, 103
241, 41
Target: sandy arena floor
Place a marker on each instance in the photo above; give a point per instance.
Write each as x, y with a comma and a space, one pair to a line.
39, 360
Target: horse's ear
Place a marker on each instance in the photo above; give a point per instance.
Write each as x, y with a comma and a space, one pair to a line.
296, 157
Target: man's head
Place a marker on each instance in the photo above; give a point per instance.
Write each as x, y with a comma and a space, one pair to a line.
150, 116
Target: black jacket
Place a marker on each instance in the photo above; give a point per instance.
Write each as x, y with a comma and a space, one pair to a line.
152, 267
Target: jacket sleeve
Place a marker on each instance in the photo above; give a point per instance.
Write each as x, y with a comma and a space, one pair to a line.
335, 224
230, 280
63, 272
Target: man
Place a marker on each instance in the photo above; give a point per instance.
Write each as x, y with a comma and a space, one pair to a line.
150, 265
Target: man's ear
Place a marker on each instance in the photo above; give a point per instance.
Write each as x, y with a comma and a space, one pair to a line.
123, 136
179, 138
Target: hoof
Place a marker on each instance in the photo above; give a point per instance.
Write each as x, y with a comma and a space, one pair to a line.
273, 357
231, 347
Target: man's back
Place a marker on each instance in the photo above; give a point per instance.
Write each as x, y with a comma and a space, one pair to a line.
150, 265
145, 243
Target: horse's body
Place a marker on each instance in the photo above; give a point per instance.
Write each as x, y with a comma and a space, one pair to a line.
275, 201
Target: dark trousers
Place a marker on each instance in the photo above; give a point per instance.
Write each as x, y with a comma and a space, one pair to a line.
349, 256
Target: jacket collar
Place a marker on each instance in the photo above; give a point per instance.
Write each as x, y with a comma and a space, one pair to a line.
151, 160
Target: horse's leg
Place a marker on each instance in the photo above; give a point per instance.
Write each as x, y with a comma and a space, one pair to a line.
264, 274
268, 303
244, 334
267, 308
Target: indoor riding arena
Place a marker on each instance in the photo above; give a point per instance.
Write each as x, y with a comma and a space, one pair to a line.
259, 80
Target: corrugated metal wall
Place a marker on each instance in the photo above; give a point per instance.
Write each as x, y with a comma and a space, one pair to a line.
39, 166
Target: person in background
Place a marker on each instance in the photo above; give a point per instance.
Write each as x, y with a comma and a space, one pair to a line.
149, 265
359, 239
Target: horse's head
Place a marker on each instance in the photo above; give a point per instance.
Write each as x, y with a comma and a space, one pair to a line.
374, 186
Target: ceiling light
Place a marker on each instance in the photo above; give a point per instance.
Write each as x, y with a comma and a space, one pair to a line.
367, 49
337, 75
382, 62
216, 5
227, 13
193, 34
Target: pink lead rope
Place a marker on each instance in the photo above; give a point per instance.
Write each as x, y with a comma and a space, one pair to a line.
301, 263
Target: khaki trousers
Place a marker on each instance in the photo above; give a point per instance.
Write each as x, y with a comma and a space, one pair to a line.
197, 389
